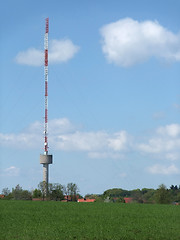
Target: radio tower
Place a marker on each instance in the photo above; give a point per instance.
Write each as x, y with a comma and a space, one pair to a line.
45, 158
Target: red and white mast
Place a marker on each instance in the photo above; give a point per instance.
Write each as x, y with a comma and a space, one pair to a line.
46, 87
45, 158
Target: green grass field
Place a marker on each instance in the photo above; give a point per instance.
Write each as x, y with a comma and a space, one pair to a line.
25, 220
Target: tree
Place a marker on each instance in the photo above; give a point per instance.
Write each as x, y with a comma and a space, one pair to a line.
26, 195
16, 192
162, 195
178, 197
56, 191
37, 193
148, 195
72, 190
136, 194
43, 187
19, 194
116, 192
5, 191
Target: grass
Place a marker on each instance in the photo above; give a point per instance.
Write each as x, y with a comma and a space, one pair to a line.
26, 220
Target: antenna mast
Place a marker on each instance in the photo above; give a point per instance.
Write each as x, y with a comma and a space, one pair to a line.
46, 87
45, 158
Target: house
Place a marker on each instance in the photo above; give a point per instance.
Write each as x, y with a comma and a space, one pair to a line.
68, 198
128, 200
2, 196
86, 200
37, 199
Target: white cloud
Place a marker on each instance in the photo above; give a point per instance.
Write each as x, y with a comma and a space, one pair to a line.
98, 144
119, 141
60, 126
164, 170
172, 130
59, 51
11, 171
65, 136
106, 155
81, 141
164, 143
127, 42
31, 57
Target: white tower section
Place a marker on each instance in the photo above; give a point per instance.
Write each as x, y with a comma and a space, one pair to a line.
45, 158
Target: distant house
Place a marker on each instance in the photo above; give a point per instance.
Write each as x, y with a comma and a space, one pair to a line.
37, 199
128, 200
86, 200
68, 198
2, 196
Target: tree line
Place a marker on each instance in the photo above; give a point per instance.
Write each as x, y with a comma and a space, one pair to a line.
70, 192
56, 192
162, 195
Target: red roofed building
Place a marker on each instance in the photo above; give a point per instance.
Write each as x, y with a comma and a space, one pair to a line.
69, 198
128, 200
86, 200
37, 199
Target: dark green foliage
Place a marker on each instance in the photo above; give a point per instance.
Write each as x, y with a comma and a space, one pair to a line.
19, 194
47, 220
116, 192
162, 195
56, 192
174, 192
148, 195
37, 193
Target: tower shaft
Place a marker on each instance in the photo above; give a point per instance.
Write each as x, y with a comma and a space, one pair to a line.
46, 87
45, 177
45, 158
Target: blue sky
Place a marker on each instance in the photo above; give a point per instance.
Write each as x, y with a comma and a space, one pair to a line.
114, 100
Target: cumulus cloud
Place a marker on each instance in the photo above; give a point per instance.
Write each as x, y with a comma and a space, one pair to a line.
106, 155
127, 42
11, 171
65, 136
31, 57
172, 130
165, 142
60, 126
59, 51
119, 141
98, 144
80, 141
164, 170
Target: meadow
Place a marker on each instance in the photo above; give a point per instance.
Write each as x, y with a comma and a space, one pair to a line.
28, 220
